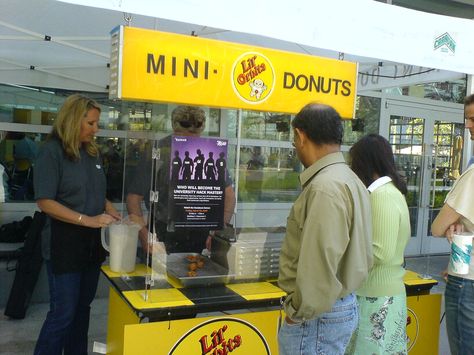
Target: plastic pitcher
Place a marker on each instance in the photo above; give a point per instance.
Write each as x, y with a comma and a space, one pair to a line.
123, 238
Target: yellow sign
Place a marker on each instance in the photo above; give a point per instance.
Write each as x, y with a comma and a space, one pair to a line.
156, 66
250, 333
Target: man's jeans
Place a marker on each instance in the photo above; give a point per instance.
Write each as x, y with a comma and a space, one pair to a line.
328, 334
67, 322
459, 305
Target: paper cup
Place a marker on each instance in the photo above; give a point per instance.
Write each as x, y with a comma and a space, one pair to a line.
461, 253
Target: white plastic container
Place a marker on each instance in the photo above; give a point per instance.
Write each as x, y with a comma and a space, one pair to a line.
461, 253
123, 240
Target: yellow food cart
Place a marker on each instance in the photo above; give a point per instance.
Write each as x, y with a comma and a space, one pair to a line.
241, 317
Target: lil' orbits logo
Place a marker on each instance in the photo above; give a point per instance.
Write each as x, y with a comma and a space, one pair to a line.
222, 336
253, 77
413, 328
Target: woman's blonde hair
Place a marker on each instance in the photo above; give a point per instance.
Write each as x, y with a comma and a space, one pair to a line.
67, 126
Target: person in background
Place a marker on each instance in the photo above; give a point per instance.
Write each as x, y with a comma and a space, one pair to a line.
24, 154
382, 297
3, 176
327, 250
70, 188
113, 166
457, 215
186, 121
25, 149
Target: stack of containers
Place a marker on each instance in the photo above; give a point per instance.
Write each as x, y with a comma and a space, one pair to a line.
255, 255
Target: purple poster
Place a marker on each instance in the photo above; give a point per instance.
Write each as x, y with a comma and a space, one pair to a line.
198, 175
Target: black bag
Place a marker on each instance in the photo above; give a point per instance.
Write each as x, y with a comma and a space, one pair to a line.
27, 270
15, 232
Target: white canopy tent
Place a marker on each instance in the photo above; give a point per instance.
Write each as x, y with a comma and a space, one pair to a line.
57, 44
362, 27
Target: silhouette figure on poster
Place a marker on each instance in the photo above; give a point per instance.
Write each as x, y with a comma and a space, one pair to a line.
210, 168
176, 167
188, 167
199, 165
221, 167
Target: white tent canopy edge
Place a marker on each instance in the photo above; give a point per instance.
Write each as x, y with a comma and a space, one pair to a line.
363, 27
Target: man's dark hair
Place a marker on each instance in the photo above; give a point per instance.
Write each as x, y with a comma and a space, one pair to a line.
372, 155
321, 123
469, 100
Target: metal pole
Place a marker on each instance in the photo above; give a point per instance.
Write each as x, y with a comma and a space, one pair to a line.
237, 163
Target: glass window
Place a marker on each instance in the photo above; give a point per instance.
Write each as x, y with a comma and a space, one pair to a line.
262, 164
268, 174
265, 125
268, 170
366, 119
449, 91
18, 152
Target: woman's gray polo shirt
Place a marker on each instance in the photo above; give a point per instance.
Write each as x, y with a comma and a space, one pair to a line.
79, 185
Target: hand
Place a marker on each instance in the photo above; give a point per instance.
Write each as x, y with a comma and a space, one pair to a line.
454, 228
99, 221
290, 321
137, 219
444, 275
208, 242
110, 210
143, 236
114, 214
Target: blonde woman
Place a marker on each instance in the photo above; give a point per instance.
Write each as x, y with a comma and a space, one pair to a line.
70, 188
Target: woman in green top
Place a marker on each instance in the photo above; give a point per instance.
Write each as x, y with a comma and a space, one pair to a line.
382, 297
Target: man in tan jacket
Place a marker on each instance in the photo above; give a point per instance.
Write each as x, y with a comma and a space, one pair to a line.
327, 251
